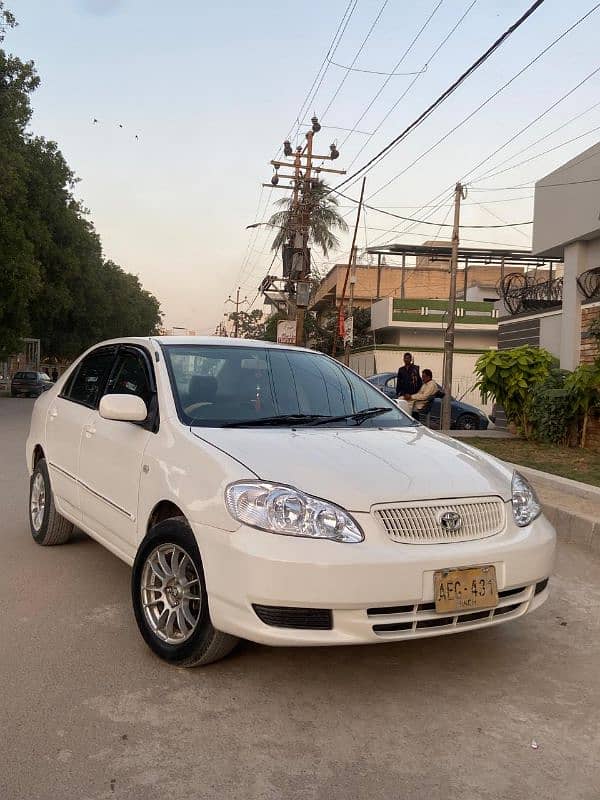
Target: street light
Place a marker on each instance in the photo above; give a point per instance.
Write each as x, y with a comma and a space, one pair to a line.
269, 224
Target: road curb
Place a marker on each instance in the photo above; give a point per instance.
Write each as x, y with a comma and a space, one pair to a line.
572, 527
577, 488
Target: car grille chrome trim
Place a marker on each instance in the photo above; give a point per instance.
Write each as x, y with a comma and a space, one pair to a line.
418, 523
422, 616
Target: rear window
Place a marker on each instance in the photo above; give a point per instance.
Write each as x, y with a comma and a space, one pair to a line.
26, 376
216, 385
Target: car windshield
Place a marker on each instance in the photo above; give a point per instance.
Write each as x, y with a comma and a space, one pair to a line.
218, 386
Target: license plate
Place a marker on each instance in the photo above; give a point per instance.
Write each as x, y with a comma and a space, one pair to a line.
465, 589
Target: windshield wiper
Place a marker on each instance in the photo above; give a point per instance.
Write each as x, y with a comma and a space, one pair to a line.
282, 419
359, 416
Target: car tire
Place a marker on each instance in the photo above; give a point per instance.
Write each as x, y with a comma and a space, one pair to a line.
48, 527
467, 422
170, 560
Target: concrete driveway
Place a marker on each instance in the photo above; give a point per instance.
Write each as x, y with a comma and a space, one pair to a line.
88, 712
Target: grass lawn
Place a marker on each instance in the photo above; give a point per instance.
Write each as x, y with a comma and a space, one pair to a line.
569, 462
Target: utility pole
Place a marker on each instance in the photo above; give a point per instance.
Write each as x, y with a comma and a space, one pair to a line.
236, 316
352, 254
347, 345
301, 209
305, 215
459, 194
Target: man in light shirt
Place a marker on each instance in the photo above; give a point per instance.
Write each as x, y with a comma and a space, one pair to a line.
425, 395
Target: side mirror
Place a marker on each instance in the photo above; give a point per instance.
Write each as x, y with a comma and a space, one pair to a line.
123, 407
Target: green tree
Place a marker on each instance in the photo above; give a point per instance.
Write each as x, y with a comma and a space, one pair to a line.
318, 332
250, 323
324, 218
19, 268
54, 281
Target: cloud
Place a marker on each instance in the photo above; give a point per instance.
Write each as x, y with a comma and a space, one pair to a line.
102, 7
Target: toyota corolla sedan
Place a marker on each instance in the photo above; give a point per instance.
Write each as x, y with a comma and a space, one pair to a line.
267, 492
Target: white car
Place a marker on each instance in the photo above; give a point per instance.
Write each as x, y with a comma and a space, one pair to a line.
267, 492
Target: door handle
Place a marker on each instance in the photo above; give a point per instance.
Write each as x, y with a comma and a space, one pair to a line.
53, 413
89, 431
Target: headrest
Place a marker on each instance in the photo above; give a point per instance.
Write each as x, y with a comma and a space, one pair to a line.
202, 388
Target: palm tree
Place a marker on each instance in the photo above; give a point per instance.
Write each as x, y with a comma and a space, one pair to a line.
324, 219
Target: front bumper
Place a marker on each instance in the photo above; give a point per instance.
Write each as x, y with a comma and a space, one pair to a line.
378, 590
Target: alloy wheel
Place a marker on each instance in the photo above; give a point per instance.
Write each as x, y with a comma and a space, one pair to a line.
170, 593
37, 503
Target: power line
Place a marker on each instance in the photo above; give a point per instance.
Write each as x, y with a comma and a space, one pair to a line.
337, 128
427, 222
488, 100
469, 116
551, 107
539, 155
462, 238
351, 7
500, 219
412, 83
385, 83
376, 72
542, 186
355, 59
444, 96
482, 202
542, 138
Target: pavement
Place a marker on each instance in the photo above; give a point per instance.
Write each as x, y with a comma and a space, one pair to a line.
88, 713
572, 507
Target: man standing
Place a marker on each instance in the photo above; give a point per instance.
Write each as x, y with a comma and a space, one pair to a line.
425, 395
408, 380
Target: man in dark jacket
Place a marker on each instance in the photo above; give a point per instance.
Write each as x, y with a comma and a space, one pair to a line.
409, 379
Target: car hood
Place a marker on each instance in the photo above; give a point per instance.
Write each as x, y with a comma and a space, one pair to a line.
358, 468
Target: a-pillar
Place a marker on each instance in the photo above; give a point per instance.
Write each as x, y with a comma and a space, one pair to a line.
575, 262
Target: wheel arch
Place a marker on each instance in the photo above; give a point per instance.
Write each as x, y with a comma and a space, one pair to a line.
38, 453
164, 509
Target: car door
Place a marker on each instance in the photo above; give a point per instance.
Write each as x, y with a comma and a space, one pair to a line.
68, 414
111, 456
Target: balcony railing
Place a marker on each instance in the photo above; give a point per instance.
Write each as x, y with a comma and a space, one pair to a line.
436, 311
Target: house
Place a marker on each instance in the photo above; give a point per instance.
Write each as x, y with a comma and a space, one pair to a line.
557, 313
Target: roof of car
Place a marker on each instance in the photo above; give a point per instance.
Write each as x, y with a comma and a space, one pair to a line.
201, 340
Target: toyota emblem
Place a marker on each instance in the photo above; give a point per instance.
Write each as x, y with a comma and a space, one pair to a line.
450, 521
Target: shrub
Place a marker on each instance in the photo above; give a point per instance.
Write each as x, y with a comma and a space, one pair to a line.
510, 377
552, 412
583, 386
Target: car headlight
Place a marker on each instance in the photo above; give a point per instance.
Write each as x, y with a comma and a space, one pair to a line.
285, 510
525, 505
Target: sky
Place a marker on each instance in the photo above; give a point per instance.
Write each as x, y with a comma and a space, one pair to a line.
212, 89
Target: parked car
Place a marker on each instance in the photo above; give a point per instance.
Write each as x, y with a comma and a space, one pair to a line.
29, 383
463, 416
267, 492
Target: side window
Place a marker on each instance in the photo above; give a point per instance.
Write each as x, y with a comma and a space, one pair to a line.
130, 376
91, 376
391, 383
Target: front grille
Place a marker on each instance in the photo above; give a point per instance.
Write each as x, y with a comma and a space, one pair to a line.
420, 523
314, 619
399, 621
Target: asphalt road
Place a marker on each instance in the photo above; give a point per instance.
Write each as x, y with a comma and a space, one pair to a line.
87, 712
